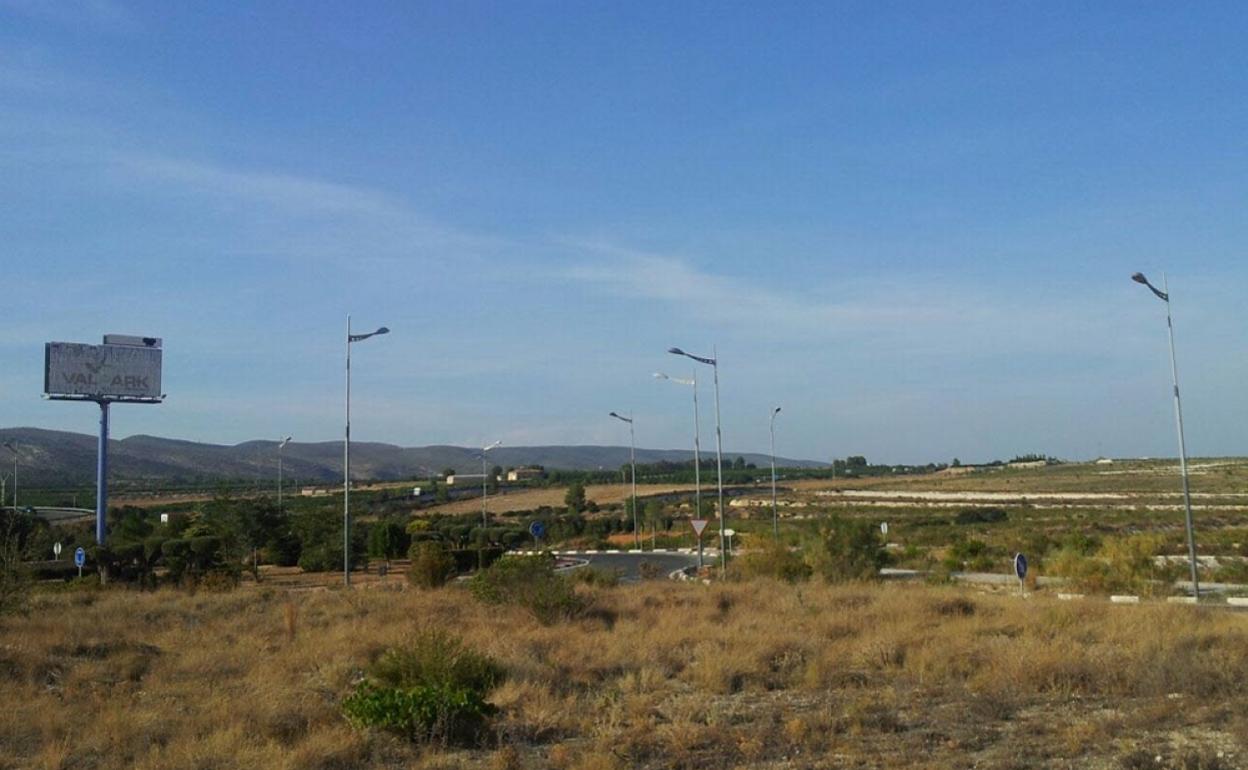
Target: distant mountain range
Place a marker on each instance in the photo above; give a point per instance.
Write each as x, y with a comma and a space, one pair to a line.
58, 458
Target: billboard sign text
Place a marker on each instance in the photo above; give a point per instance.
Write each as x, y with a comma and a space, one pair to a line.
101, 371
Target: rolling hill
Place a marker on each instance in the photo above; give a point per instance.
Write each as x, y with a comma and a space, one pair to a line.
57, 458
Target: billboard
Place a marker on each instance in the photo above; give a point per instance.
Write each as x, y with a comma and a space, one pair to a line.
102, 371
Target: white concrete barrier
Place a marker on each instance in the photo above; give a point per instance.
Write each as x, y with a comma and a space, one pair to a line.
1069, 597
1181, 599
1123, 599
1237, 601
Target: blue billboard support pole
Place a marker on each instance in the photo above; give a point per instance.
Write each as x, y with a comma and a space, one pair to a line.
101, 476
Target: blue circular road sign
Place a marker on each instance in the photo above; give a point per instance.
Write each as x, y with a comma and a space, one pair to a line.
1020, 565
537, 529
80, 557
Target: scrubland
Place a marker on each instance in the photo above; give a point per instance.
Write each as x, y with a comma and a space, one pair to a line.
662, 675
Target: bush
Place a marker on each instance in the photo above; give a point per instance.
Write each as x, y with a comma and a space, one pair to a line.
1122, 565
437, 658
773, 560
432, 566
529, 582
980, 516
14, 580
425, 714
433, 690
849, 550
973, 555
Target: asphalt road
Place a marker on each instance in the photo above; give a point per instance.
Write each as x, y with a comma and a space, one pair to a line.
629, 564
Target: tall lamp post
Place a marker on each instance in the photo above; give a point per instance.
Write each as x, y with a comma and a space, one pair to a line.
484, 482
775, 517
632, 461
713, 362
697, 455
281, 445
1178, 417
9, 446
346, 457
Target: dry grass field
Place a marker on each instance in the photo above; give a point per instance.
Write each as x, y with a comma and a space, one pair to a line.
754, 674
532, 499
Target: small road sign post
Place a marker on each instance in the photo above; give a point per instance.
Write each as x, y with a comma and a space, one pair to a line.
728, 533
1020, 569
538, 530
56, 550
80, 558
698, 526
884, 528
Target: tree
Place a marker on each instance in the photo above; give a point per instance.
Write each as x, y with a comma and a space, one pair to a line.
387, 539
856, 461
575, 497
432, 566
849, 549
738, 464
320, 535
446, 472
653, 516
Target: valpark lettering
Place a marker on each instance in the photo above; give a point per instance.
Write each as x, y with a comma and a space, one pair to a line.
128, 381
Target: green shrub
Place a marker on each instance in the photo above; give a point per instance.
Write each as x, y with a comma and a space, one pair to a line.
973, 555
772, 560
849, 549
425, 714
529, 582
980, 516
432, 566
437, 658
433, 691
1121, 565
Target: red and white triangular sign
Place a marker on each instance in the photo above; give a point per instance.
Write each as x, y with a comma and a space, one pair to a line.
698, 526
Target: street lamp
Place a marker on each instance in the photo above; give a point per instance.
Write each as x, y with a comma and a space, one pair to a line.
632, 460
346, 458
713, 362
775, 517
697, 457
9, 446
280, 447
1178, 416
484, 480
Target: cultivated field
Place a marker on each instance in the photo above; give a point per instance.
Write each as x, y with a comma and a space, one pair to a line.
553, 497
757, 674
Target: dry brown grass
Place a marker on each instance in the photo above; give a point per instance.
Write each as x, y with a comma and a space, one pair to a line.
688, 676
532, 499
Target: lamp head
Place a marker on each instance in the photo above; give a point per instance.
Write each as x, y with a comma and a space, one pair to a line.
1140, 279
382, 330
676, 351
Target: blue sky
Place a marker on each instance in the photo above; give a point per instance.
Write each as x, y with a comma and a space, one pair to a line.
909, 224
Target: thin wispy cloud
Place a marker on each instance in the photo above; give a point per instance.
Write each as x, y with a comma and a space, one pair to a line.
721, 299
